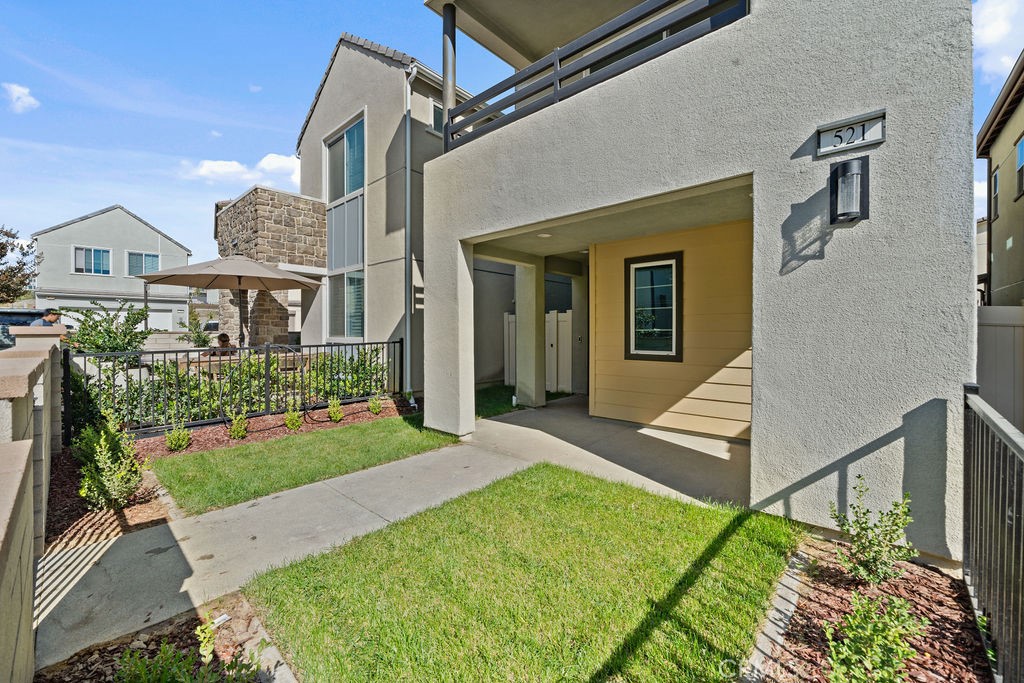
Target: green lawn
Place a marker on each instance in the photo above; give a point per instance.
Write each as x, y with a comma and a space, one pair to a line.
547, 575
212, 479
497, 400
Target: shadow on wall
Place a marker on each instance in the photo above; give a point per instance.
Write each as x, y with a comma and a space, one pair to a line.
806, 232
923, 432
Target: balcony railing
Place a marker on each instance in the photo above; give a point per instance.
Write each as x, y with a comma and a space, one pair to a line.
647, 31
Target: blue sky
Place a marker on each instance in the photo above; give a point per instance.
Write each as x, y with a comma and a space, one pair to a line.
168, 107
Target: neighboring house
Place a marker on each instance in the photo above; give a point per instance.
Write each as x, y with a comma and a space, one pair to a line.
96, 258
1001, 142
981, 259
765, 208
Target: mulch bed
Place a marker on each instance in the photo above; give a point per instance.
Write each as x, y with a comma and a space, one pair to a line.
949, 650
69, 521
268, 427
99, 662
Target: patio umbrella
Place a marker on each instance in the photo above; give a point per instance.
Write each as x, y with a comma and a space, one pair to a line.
231, 272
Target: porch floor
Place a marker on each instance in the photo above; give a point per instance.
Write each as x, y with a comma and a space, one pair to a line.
680, 465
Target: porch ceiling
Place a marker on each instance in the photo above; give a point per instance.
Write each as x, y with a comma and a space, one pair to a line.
522, 32
720, 202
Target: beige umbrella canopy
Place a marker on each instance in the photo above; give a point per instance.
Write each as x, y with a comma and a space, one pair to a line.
231, 272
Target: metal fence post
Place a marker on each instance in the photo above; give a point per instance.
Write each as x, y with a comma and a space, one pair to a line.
65, 387
401, 365
266, 378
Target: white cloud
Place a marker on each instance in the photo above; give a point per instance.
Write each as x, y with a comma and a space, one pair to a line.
998, 26
275, 170
255, 88
19, 98
216, 134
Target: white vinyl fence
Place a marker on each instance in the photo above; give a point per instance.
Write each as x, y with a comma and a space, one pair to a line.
1001, 360
557, 350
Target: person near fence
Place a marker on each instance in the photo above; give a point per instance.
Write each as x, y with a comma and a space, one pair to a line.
224, 346
49, 318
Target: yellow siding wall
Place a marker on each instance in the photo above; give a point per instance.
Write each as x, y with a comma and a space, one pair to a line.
709, 391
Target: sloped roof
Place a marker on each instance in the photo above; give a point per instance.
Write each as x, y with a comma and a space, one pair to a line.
398, 58
106, 210
1006, 104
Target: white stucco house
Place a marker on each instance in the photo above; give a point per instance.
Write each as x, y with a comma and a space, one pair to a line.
96, 258
766, 211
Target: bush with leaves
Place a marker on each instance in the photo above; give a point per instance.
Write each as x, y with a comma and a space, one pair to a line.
19, 264
874, 643
112, 473
171, 665
875, 546
375, 405
293, 418
104, 330
335, 411
195, 336
177, 439
239, 427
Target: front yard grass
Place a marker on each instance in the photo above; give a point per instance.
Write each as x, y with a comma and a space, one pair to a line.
199, 482
546, 575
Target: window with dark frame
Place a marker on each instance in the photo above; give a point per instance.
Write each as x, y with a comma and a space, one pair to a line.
995, 194
92, 261
654, 307
1020, 167
438, 122
142, 264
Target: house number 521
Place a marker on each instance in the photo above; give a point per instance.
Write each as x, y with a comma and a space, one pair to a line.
851, 133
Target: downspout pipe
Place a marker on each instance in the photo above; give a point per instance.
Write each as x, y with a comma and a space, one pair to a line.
407, 346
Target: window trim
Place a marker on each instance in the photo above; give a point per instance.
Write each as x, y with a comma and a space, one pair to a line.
993, 193
343, 339
1018, 149
436, 104
76, 247
127, 259
629, 305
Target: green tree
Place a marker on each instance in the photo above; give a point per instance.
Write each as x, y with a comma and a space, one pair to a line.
103, 330
18, 265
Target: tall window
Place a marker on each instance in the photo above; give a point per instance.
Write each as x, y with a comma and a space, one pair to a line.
141, 264
438, 124
995, 195
345, 200
654, 307
92, 261
345, 163
1020, 166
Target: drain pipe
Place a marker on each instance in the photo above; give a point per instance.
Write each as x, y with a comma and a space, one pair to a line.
407, 346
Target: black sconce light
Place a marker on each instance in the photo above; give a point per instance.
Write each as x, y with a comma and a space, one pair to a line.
848, 191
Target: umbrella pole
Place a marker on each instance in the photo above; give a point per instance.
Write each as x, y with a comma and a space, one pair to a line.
243, 314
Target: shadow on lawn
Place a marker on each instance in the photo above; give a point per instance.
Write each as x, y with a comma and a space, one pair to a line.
661, 611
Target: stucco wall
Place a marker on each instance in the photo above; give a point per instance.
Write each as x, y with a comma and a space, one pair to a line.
863, 336
709, 390
1008, 229
17, 651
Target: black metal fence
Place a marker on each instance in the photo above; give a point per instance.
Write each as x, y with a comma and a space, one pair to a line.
153, 391
994, 530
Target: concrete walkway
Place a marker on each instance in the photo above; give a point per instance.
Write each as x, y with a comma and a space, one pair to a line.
105, 590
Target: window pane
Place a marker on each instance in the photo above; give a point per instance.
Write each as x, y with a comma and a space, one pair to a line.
101, 261
354, 157
653, 312
336, 170
152, 263
354, 303
336, 314
1020, 154
438, 118
135, 266
79, 260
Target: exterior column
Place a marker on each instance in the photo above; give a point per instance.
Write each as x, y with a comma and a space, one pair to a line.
448, 59
448, 365
530, 359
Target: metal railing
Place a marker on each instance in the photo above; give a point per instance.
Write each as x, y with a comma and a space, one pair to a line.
151, 391
613, 48
994, 530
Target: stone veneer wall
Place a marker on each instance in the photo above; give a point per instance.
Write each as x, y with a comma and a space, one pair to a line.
273, 227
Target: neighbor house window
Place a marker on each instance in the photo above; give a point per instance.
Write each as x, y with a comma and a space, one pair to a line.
92, 261
1020, 166
142, 264
995, 194
438, 118
654, 307
346, 304
345, 162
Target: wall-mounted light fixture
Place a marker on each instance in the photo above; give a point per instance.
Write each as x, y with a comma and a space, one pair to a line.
848, 191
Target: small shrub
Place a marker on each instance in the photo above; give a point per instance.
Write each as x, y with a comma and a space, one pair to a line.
207, 639
113, 475
177, 439
293, 418
874, 644
239, 427
335, 411
171, 665
375, 405
875, 546
195, 335
106, 330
